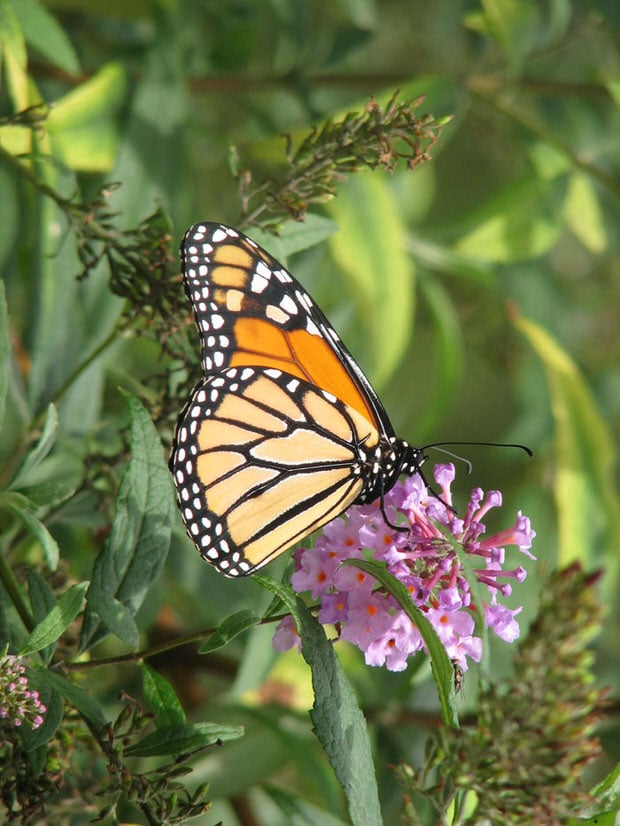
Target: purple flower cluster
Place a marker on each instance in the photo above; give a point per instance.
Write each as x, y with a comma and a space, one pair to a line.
424, 560
18, 704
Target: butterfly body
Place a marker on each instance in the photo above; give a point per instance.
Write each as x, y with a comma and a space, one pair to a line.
284, 431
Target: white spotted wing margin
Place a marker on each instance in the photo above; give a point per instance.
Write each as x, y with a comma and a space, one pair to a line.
261, 459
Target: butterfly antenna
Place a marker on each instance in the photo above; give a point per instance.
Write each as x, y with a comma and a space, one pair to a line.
440, 445
525, 448
465, 461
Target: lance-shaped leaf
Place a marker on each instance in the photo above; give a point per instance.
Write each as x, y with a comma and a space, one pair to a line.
338, 720
161, 699
441, 666
61, 615
585, 492
136, 548
230, 628
180, 739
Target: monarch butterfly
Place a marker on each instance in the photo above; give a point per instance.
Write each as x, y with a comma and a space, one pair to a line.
284, 431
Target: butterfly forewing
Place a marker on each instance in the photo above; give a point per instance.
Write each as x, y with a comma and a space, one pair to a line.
250, 311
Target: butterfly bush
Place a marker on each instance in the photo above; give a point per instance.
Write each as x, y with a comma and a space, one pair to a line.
423, 558
18, 703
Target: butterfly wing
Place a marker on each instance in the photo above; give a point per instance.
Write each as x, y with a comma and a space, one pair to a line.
261, 460
251, 311
279, 436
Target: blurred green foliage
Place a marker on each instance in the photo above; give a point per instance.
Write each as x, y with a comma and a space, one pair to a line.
479, 291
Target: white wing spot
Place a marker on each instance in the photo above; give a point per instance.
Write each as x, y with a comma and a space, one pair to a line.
276, 314
288, 305
259, 283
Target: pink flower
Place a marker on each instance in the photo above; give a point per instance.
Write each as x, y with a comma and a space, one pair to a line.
420, 555
18, 704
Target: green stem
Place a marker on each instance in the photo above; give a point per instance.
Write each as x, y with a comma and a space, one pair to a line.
170, 645
82, 366
540, 129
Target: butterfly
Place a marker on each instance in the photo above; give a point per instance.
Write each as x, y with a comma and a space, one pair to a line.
284, 431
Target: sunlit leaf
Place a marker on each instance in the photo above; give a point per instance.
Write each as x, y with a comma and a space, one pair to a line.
14, 55
83, 124
584, 488
584, 214
523, 222
370, 249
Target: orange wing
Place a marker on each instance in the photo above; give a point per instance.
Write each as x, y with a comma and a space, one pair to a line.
251, 312
285, 431
262, 459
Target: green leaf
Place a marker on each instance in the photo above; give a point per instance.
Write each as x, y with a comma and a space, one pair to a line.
5, 351
35, 456
21, 506
338, 721
522, 222
42, 601
11, 35
585, 491
83, 125
514, 25
137, 546
370, 249
180, 739
52, 717
230, 628
340, 724
82, 700
161, 699
115, 616
42, 31
58, 619
439, 258
443, 671
14, 56
448, 341
584, 215
294, 236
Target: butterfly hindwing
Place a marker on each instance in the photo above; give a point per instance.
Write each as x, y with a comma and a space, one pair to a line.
261, 459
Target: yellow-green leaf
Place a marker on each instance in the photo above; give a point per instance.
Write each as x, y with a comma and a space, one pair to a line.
585, 494
370, 248
583, 213
83, 124
522, 222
